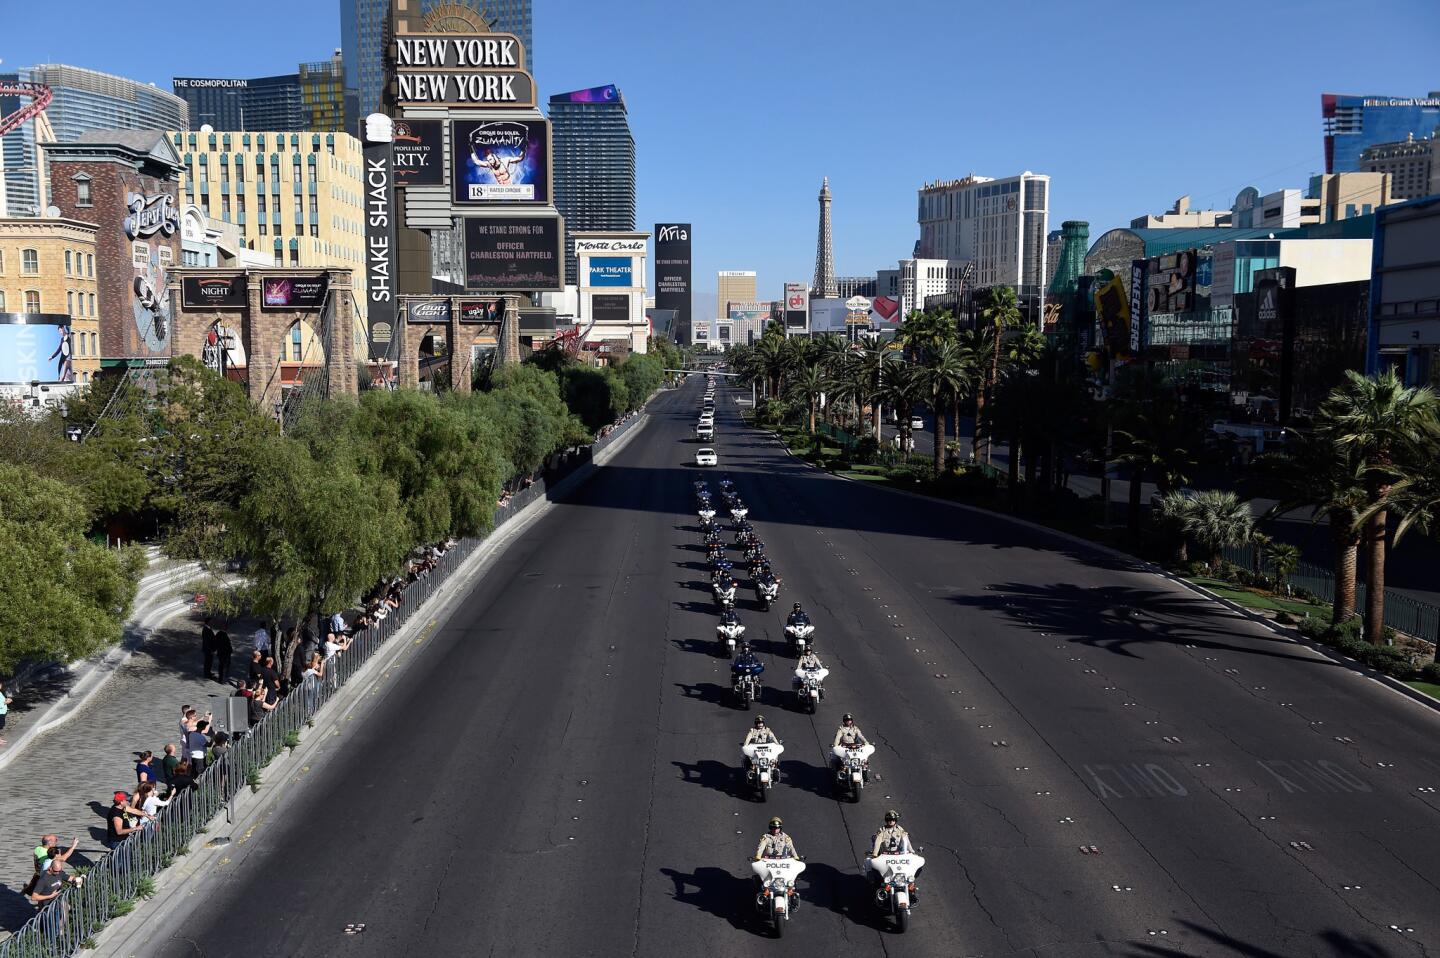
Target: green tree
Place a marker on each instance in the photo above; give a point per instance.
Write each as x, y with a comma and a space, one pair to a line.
947, 373
806, 387
1216, 519
61, 597
1313, 474
902, 389
1284, 559
1385, 424
1149, 447
318, 534
1172, 515
999, 313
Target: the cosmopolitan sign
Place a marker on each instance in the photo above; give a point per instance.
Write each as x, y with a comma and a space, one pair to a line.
459, 70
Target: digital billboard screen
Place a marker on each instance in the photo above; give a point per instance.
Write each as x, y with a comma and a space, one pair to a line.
215, 292
610, 307
293, 292
611, 271
500, 161
672, 270
519, 253
35, 348
419, 158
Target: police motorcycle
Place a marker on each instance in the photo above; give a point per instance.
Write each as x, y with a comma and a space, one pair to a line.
763, 769
767, 589
706, 512
724, 587
776, 898
738, 509
799, 630
744, 532
745, 674
852, 768
809, 688
896, 869
730, 630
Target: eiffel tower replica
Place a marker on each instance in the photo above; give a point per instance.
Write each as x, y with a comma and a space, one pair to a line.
824, 285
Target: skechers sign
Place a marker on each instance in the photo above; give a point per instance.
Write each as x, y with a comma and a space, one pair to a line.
150, 215
446, 69
611, 271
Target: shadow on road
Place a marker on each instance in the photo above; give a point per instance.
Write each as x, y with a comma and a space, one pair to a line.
708, 692
714, 891
709, 773
845, 893
1338, 943
1124, 620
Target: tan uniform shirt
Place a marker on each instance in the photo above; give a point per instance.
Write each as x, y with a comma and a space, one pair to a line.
760, 736
776, 846
849, 736
891, 840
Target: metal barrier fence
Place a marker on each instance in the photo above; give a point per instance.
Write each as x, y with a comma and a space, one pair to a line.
1402, 613
112, 885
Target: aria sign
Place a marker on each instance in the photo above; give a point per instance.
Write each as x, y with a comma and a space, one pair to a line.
150, 215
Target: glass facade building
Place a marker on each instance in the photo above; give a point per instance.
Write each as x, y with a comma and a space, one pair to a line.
362, 44
308, 100
594, 166
85, 100
1353, 123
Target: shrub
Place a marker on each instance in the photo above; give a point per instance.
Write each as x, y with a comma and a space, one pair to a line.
1431, 673
867, 450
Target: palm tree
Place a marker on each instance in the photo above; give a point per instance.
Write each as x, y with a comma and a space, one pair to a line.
806, 386
1216, 519
902, 388
1417, 500
999, 312
867, 365
1384, 423
1171, 514
1313, 474
947, 374
1285, 558
1149, 447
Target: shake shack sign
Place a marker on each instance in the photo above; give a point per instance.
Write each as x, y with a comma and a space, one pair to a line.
448, 69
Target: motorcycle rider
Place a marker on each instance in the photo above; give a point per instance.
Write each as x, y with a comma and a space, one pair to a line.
759, 734
797, 616
892, 840
729, 617
775, 843
809, 662
746, 663
848, 735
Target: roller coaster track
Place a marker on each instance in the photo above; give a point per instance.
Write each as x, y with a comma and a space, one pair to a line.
38, 96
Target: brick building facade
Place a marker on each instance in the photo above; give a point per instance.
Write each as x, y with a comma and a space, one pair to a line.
126, 182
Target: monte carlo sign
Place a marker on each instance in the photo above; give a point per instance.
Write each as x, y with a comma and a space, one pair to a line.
485, 70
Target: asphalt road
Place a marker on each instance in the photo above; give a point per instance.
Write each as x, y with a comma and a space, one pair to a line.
556, 773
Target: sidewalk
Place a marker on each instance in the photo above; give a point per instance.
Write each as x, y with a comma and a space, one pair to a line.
47, 699
60, 781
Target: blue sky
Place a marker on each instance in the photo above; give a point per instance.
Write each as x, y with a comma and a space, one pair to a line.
739, 108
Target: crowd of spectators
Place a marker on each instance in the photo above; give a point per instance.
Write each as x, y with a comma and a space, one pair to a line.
160, 780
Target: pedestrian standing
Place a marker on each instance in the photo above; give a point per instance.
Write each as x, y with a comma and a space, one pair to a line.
145, 770
168, 763
187, 721
223, 651
196, 744
5, 701
207, 646
261, 640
